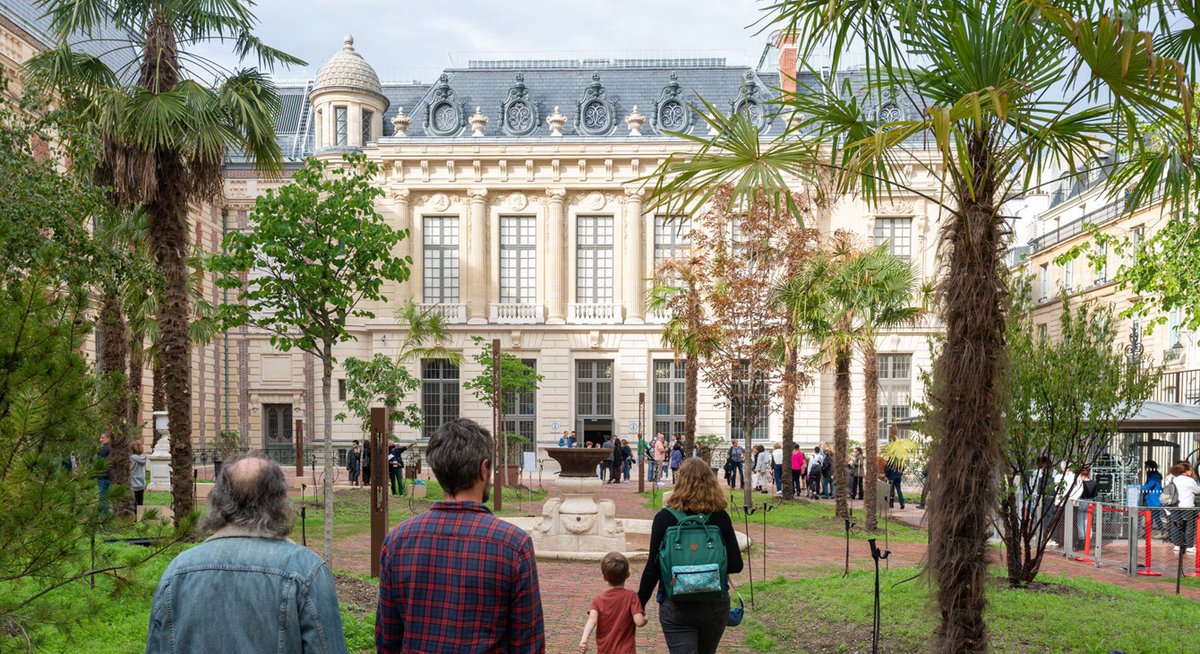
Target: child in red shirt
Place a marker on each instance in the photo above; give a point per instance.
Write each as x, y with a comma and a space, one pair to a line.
614, 614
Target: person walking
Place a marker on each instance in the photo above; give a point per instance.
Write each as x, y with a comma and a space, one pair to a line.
676, 460
456, 578
737, 472
814, 473
137, 471
395, 466
693, 627
354, 462
894, 471
799, 465
616, 614
247, 588
777, 467
1181, 525
1152, 494
659, 450
366, 463
762, 468
856, 467
606, 464
617, 462
827, 489
104, 474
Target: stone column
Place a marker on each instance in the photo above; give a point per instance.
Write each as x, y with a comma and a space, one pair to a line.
633, 269
330, 121
354, 126
556, 264
400, 198
477, 257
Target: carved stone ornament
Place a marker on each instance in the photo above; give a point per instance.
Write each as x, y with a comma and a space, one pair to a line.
897, 209
478, 123
594, 201
439, 202
400, 122
556, 121
517, 201
747, 103
518, 112
399, 194
594, 111
634, 122
443, 114
671, 113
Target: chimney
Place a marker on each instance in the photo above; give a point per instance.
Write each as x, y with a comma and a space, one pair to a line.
785, 41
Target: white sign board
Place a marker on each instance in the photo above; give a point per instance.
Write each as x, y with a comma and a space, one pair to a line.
633, 426
529, 461
555, 425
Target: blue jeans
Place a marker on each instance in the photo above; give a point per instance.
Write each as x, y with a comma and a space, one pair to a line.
826, 486
103, 485
778, 469
896, 492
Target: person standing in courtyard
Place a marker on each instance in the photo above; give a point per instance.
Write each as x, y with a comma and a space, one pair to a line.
691, 627
247, 588
856, 468
137, 471
799, 464
353, 463
762, 468
737, 454
104, 474
616, 614
366, 463
676, 460
455, 578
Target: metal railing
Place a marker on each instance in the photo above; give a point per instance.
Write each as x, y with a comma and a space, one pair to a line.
1141, 540
1181, 387
1101, 216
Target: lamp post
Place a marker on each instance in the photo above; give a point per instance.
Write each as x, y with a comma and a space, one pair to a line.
160, 458
1133, 351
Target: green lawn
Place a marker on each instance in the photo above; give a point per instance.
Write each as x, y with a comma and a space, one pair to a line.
819, 517
826, 613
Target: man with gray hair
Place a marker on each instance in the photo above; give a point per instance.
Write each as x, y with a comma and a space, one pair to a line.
247, 588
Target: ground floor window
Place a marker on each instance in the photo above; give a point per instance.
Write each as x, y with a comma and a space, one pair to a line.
439, 394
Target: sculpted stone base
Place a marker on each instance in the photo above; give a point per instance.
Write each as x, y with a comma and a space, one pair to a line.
577, 522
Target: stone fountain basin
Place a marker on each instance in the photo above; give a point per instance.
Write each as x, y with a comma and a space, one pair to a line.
637, 541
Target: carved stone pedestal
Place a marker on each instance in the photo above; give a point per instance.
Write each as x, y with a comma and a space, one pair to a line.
577, 522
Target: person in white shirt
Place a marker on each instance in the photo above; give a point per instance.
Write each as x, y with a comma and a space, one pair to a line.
1182, 526
777, 467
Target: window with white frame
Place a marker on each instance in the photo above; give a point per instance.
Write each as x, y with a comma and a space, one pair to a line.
1045, 281
760, 403
897, 233
672, 239
439, 394
441, 259
518, 259
670, 393
1068, 275
594, 260
1102, 264
594, 388
895, 391
367, 118
1174, 324
341, 126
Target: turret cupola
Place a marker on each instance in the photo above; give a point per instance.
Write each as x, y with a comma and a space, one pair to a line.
348, 101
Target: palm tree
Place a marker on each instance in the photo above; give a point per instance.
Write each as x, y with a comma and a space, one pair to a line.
164, 137
994, 93
675, 291
425, 334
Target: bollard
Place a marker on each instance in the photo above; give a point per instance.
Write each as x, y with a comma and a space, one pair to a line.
1146, 571
1087, 537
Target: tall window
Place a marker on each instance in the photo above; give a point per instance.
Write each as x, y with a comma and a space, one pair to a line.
1069, 275
439, 393
672, 239
594, 388
1174, 321
367, 117
1139, 234
594, 260
518, 259
762, 404
341, 128
441, 260
897, 233
1045, 281
895, 390
670, 393
520, 416
1102, 269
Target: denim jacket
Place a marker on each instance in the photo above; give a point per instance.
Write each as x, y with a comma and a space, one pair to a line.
241, 593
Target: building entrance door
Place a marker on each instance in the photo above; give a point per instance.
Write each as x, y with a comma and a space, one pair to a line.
278, 440
595, 430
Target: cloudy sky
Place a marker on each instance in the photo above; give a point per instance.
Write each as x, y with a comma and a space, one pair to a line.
407, 40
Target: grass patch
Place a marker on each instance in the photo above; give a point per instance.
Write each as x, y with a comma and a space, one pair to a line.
819, 517
1060, 615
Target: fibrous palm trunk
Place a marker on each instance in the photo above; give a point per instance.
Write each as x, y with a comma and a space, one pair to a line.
113, 356
965, 420
137, 362
871, 423
790, 389
841, 428
691, 378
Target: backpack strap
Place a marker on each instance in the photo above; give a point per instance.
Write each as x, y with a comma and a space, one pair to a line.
680, 516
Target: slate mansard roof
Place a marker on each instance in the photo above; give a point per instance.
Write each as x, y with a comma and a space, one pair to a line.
107, 41
646, 83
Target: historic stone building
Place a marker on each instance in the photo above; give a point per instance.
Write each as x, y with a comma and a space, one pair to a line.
519, 183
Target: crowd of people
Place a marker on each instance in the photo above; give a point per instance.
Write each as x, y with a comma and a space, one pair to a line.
248, 588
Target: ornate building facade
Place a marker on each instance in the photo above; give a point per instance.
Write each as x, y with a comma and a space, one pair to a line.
519, 183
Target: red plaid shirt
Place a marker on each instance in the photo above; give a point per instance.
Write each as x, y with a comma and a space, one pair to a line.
457, 579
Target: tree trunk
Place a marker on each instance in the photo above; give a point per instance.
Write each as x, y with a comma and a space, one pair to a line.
790, 389
158, 400
170, 244
113, 355
137, 362
327, 486
841, 429
691, 376
871, 422
965, 401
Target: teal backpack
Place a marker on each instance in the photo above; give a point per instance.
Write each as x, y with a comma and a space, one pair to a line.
692, 560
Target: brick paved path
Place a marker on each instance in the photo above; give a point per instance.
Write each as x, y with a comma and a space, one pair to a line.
567, 587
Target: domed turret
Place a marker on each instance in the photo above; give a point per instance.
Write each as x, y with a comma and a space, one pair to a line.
348, 100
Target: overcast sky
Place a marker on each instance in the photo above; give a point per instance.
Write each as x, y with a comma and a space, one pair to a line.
407, 40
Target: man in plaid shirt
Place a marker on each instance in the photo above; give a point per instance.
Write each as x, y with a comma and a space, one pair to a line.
455, 578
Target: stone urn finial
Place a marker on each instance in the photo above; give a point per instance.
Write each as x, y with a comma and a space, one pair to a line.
478, 122
401, 121
634, 122
556, 121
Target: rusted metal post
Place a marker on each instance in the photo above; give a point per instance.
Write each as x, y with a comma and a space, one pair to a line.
498, 468
299, 448
641, 443
379, 490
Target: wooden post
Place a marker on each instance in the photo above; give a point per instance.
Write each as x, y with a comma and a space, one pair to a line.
379, 489
498, 468
641, 443
299, 449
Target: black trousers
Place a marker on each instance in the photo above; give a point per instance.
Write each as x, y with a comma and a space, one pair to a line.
397, 481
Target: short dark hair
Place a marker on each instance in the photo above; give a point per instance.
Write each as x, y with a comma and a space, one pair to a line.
456, 451
251, 492
615, 568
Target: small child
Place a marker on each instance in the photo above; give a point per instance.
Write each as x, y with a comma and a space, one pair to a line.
616, 613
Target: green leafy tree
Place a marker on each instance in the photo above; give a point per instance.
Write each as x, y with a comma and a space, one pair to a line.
380, 380
164, 137
515, 378
999, 89
675, 291
1065, 397
317, 249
